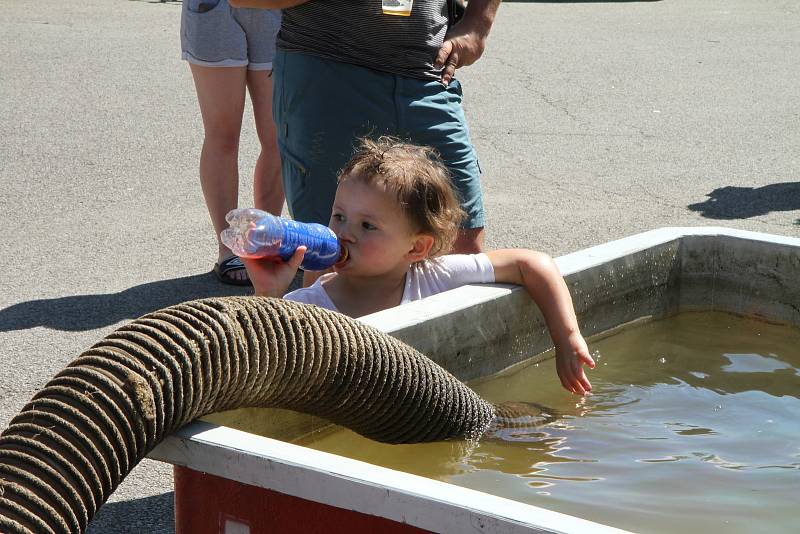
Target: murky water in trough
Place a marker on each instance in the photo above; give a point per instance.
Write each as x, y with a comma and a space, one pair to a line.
692, 427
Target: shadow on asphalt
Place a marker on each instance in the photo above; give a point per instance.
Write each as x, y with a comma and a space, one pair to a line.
87, 312
731, 202
154, 515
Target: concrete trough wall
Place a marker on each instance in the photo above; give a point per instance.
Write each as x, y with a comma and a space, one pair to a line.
741, 274
476, 331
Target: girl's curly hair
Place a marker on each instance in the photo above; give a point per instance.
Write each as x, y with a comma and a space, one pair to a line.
420, 181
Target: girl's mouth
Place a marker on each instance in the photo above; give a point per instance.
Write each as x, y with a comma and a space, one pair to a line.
345, 255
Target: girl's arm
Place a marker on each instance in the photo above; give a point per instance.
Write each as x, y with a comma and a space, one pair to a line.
540, 276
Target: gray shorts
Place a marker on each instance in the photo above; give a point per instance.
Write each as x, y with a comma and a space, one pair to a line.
214, 34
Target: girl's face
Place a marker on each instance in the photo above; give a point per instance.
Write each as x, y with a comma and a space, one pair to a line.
374, 230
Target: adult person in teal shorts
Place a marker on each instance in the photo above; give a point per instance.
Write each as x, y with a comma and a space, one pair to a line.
351, 68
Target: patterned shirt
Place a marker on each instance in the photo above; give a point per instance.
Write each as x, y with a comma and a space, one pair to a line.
358, 32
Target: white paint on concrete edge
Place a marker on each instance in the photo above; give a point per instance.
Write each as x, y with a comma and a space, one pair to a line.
359, 486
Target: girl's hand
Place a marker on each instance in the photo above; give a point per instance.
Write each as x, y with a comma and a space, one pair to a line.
571, 356
272, 277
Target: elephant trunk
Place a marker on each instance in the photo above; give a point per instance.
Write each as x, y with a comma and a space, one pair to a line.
74, 442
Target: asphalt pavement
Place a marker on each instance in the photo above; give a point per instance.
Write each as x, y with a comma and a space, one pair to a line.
593, 121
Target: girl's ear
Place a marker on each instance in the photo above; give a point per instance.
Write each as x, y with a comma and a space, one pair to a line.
421, 247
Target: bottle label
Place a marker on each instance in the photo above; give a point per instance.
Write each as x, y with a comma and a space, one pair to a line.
397, 7
323, 246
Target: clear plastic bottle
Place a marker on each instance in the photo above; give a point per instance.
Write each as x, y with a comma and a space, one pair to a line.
257, 234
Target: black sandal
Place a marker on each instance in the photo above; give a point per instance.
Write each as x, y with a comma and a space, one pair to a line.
232, 264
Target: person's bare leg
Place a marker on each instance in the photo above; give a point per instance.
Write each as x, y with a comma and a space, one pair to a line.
267, 185
469, 241
220, 93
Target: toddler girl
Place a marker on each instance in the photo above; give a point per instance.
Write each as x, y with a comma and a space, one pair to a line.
396, 215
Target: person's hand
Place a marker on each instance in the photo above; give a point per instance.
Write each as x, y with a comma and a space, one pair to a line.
463, 45
571, 356
272, 277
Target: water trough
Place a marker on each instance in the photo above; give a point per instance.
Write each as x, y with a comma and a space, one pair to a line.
232, 481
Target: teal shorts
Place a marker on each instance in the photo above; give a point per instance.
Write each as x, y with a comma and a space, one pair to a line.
321, 107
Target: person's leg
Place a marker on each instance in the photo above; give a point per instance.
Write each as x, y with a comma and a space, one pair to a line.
433, 116
321, 107
267, 186
221, 94
260, 27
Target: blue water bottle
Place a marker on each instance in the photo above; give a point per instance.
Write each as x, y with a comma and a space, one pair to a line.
257, 234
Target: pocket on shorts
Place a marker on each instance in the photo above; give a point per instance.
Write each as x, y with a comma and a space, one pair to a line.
455, 91
201, 6
294, 174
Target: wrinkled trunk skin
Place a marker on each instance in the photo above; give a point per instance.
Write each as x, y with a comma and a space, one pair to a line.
74, 442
